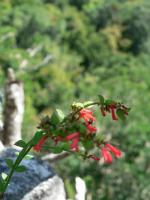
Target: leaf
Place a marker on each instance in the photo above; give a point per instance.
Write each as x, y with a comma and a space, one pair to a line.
101, 99
9, 163
109, 101
120, 114
55, 118
88, 144
4, 176
20, 168
60, 113
2, 185
28, 157
64, 146
36, 138
21, 143
56, 150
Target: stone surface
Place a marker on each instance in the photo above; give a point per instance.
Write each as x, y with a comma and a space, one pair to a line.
39, 182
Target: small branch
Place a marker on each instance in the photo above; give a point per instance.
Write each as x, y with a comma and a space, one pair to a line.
55, 157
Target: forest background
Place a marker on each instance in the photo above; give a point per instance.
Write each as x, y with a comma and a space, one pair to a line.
67, 50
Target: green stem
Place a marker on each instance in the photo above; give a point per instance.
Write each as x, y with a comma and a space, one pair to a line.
20, 157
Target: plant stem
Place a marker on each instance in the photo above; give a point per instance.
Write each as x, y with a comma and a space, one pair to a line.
20, 157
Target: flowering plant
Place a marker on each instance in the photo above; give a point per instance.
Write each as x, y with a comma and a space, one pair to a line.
74, 133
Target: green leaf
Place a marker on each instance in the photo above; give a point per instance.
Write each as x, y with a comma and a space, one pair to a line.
21, 143
56, 150
9, 163
55, 118
109, 101
36, 138
88, 144
101, 99
64, 146
28, 157
2, 185
120, 114
60, 113
20, 168
4, 176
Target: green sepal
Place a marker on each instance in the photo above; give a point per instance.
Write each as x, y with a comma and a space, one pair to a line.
9, 163
21, 143
20, 169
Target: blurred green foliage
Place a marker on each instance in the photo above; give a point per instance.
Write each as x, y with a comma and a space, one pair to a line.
65, 50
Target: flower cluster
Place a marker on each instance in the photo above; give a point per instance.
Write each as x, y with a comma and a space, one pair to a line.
77, 132
74, 133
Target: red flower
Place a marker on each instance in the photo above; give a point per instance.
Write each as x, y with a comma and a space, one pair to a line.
94, 158
74, 145
87, 115
91, 128
72, 136
112, 109
39, 145
107, 156
114, 150
75, 139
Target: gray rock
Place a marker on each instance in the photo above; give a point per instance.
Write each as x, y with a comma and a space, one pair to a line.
38, 182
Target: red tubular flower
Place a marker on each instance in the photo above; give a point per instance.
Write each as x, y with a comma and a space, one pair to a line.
112, 109
114, 150
75, 139
74, 144
39, 145
94, 158
87, 115
91, 128
103, 111
72, 136
107, 156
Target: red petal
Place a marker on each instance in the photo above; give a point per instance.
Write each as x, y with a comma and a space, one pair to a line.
107, 156
74, 145
113, 114
91, 128
71, 136
114, 150
87, 115
39, 145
